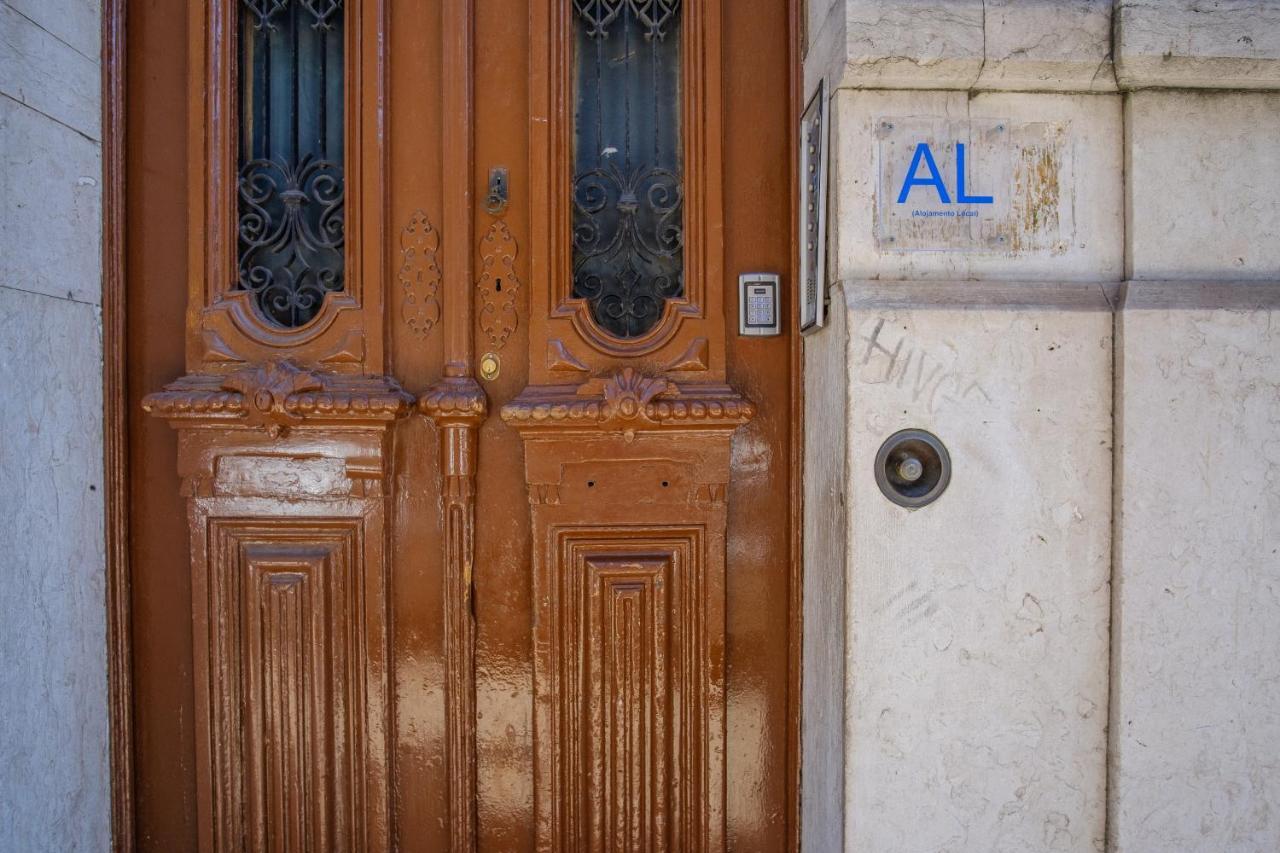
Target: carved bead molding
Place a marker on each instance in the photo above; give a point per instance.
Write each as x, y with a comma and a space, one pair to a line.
455, 401
278, 395
628, 402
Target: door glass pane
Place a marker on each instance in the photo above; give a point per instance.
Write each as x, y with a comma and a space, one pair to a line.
628, 234
291, 138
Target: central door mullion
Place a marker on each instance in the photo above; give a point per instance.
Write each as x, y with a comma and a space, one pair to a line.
458, 406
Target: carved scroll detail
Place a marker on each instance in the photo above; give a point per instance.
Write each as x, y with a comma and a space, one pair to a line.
693, 358
420, 274
498, 284
560, 359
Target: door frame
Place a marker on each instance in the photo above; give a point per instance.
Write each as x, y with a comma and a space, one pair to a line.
119, 662
115, 425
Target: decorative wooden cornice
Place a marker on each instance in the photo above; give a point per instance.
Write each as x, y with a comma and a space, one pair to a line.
628, 402
455, 400
278, 395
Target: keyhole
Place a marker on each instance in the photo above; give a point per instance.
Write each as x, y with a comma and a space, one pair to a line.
497, 285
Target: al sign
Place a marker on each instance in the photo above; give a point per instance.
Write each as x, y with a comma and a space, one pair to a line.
934, 178
970, 186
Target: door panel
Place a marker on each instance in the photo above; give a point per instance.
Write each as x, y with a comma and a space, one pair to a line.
574, 628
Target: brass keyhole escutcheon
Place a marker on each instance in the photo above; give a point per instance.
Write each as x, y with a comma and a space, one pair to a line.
490, 366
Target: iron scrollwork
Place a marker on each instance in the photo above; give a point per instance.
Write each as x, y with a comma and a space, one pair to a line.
290, 189
628, 241
322, 11
628, 193
291, 236
653, 15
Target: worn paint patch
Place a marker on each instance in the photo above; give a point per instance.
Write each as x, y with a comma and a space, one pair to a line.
990, 185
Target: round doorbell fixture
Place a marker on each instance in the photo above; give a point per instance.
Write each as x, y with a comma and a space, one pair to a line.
913, 468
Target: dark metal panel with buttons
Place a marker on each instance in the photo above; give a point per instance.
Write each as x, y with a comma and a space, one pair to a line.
759, 304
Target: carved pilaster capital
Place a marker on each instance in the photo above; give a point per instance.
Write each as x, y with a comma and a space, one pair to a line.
455, 401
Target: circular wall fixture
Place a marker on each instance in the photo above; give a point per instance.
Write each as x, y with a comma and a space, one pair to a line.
913, 468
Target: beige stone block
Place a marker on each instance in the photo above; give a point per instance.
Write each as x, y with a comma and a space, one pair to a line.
1226, 44
826, 44
50, 187
1204, 185
1071, 228
1047, 45
978, 626
76, 22
1025, 45
53, 684
912, 44
47, 74
1196, 742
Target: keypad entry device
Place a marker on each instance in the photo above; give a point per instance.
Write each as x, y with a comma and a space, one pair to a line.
759, 304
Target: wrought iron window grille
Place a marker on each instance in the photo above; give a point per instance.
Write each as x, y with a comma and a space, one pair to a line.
628, 192
291, 190
322, 11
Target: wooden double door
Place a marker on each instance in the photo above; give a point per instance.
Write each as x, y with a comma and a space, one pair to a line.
473, 529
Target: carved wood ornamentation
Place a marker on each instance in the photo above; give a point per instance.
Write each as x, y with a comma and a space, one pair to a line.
226, 327
499, 284
286, 681
277, 395
627, 478
458, 406
285, 468
557, 315
420, 275
627, 451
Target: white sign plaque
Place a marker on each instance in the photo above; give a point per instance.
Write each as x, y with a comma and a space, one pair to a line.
973, 185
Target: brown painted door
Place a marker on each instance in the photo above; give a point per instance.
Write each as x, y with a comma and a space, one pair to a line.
492, 548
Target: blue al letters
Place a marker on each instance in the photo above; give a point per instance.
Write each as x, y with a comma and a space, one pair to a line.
934, 179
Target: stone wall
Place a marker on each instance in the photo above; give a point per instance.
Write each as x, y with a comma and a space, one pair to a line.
1074, 648
53, 685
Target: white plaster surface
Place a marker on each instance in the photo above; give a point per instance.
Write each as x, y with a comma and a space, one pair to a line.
1216, 44
1196, 740
1087, 176
825, 525
50, 186
1204, 185
978, 626
54, 793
